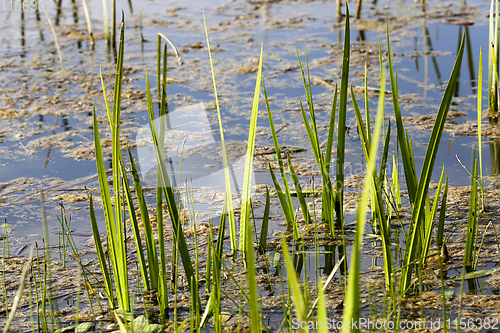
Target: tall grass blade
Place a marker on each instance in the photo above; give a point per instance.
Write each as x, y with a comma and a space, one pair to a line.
470, 241
232, 222
479, 120
339, 198
247, 176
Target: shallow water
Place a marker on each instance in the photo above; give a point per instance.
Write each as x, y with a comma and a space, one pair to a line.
45, 114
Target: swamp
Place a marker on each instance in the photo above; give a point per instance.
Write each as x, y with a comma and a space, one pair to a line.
249, 166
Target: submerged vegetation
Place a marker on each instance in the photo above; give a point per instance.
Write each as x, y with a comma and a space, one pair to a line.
137, 282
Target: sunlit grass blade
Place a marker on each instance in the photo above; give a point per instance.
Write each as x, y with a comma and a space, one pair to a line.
247, 176
479, 120
227, 177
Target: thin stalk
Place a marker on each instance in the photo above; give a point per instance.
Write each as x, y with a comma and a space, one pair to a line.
479, 120
55, 37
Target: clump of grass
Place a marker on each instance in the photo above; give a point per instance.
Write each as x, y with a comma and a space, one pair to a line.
418, 187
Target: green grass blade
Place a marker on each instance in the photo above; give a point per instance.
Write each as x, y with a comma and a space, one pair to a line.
331, 132
148, 230
470, 244
367, 105
135, 224
408, 165
255, 316
265, 225
158, 65
114, 247
385, 153
284, 204
339, 202
100, 254
429, 221
212, 302
232, 222
278, 155
247, 176
162, 269
442, 214
479, 120
300, 195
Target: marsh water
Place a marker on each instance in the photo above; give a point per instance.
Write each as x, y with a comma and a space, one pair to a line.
46, 113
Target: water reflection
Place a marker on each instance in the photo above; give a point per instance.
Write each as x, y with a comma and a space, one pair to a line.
23, 39
494, 156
